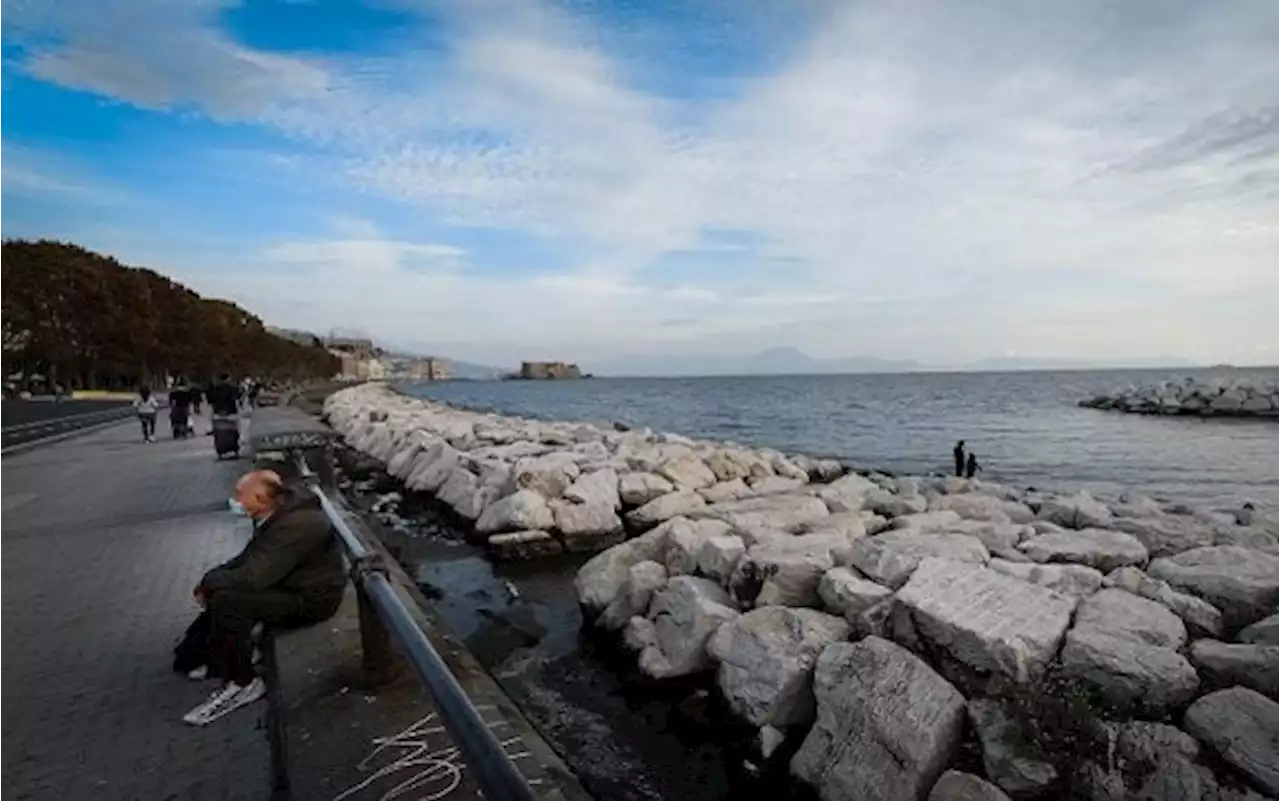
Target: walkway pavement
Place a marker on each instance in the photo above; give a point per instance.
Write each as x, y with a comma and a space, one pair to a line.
103, 539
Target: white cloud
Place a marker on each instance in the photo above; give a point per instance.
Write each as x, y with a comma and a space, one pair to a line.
1072, 172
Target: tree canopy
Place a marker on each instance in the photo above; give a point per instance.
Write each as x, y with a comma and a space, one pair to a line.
86, 320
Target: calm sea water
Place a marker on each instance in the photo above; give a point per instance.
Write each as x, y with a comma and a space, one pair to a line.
1025, 427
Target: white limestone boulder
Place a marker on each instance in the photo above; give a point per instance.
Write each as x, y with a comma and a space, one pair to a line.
782, 572
686, 538
643, 580
773, 485
1098, 548
521, 511
844, 592
1074, 580
599, 488
722, 491
989, 621
1222, 665
688, 472
1199, 616
766, 661
787, 513
433, 467
847, 493
665, 507
1240, 582
600, 579
685, 614
1240, 726
887, 724
890, 558
637, 489
1079, 511
719, 555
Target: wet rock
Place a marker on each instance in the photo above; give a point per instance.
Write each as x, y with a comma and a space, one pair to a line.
1003, 752
986, 620
843, 592
766, 659
726, 491
891, 557
524, 545
1264, 632
1222, 665
633, 598
1124, 646
1095, 547
1200, 617
665, 507
887, 724
637, 489
521, 511
1074, 580
1167, 534
685, 614
1240, 582
1240, 726
688, 473
1079, 511
847, 494
957, 786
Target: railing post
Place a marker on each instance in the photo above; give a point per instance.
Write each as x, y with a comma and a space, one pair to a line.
380, 662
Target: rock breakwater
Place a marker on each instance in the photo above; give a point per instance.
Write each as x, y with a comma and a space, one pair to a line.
1190, 397
878, 632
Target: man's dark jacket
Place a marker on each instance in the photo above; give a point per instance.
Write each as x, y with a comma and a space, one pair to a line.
223, 398
292, 550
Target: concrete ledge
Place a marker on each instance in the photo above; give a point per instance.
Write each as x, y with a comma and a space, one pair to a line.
339, 741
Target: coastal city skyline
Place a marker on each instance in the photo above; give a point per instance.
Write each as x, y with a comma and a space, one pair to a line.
494, 182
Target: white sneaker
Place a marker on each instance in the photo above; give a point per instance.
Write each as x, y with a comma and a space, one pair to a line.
199, 674
225, 700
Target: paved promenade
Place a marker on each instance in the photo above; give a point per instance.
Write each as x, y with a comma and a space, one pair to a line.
103, 539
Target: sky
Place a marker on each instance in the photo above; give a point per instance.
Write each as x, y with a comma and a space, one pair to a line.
497, 180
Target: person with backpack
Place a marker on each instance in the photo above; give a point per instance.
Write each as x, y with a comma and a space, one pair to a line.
147, 408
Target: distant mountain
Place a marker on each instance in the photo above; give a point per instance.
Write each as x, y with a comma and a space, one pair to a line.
1014, 363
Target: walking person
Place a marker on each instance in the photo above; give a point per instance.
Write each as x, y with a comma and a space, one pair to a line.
147, 407
958, 452
180, 411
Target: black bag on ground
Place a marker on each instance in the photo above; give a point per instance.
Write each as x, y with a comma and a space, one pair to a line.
192, 650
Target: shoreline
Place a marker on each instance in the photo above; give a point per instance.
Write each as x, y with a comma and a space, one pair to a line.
874, 553
1239, 399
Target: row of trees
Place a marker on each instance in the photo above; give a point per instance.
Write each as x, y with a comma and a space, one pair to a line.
85, 320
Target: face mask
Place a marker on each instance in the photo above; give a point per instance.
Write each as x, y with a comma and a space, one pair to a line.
237, 508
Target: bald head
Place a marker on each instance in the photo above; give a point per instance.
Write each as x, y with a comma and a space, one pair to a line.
260, 491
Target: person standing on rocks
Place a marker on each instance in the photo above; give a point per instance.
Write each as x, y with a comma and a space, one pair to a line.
958, 452
971, 466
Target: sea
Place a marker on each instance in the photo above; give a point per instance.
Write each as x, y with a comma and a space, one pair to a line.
1025, 427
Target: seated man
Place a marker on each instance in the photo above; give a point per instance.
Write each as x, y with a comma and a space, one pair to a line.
290, 574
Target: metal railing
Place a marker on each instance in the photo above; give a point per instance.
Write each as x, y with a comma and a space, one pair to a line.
498, 777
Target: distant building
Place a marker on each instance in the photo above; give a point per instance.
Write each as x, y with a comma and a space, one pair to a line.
548, 370
429, 369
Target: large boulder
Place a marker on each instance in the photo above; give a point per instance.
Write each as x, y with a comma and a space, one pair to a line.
464, 494
432, 468
665, 507
688, 472
1240, 582
1079, 511
940, 520
637, 489
686, 538
782, 572
600, 579
1264, 632
895, 504
643, 580
1098, 548
1004, 751
685, 615
1125, 647
730, 463
1240, 726
1200, 617
1223, 665
993, 623
523, 510
599, 488
850, 524
847, 493
887, 724
773, 485
766, 661
1074, 580
786, 513
957, 786
1167, 534
891, 557
719, 555
550, 474
723, 491
975, 506
844, 592
586, 526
